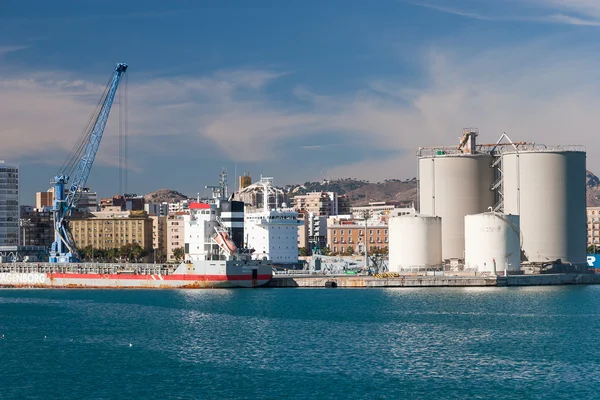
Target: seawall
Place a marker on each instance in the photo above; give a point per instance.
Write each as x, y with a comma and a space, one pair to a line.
288, 281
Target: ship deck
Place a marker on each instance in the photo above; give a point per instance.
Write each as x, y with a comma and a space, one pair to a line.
89, 268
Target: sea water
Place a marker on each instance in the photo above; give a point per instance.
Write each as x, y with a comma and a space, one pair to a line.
421, 343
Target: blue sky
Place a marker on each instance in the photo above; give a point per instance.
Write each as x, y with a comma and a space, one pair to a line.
291, 88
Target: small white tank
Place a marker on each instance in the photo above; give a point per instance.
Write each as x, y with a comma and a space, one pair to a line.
415, 242
492, 238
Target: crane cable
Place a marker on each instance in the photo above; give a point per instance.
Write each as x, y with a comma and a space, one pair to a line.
70, 164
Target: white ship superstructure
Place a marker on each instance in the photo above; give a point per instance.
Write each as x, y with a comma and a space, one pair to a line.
200, 225
272, 232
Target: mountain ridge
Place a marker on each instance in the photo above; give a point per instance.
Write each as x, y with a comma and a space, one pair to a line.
361, 192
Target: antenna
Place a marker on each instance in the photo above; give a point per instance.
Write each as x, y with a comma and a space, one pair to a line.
235, 175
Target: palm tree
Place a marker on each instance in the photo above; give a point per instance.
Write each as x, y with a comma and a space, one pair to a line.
350, 250
178, 253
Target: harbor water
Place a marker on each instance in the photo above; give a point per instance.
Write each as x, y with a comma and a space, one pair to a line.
425, 343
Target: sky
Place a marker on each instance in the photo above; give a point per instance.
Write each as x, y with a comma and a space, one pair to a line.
298, 90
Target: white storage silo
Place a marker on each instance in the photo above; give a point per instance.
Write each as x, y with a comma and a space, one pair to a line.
415, 242
547, 189
452, 186
492, 238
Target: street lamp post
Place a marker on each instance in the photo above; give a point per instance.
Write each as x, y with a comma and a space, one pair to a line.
366, 215
154, 255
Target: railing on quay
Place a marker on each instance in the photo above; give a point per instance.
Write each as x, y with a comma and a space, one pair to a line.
88, 268
497, 149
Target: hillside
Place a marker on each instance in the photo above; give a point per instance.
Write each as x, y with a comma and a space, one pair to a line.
341, 186
164, 195
593, 189
362, 192
390, 190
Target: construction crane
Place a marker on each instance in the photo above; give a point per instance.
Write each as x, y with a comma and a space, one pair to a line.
80, 161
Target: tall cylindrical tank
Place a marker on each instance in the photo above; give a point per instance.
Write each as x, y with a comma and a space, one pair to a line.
452, 186
547, 189
415, 242
492, 242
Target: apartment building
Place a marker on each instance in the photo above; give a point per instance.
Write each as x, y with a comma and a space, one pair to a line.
344, 233
87, 202
37, 227
44, 199
303, 229
9, 205
113, 229
160, 209
593, 226
322, 203
389, 208
175, 234
159, 238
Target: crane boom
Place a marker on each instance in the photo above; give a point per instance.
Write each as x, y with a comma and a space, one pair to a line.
63, 249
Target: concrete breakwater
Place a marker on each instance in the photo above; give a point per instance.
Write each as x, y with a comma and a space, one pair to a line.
288, 281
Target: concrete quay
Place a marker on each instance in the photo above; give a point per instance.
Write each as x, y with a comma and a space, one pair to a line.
288, 281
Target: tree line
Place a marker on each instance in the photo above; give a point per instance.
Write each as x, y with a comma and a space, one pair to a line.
130, 252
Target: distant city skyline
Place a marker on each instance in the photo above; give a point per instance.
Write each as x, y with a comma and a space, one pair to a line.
287, 89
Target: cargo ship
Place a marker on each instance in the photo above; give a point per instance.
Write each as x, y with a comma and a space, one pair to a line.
208, 274
212, 260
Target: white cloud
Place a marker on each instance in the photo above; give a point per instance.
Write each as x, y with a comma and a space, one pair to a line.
535, 92
48, 110
10, 49
589, 8
569, 12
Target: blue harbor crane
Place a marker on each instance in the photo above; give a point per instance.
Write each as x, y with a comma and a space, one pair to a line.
80, 160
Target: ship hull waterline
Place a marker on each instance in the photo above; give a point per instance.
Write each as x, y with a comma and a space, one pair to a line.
125, 281
194, 275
